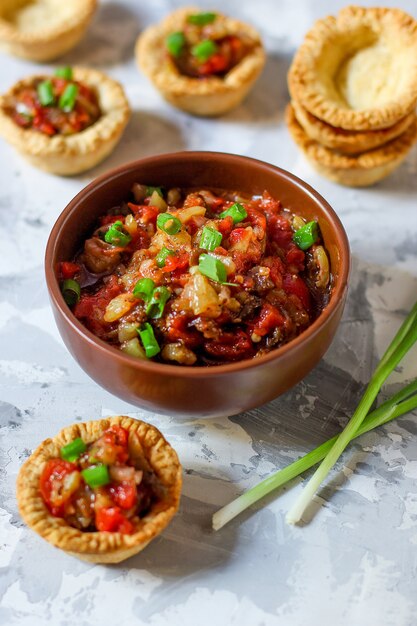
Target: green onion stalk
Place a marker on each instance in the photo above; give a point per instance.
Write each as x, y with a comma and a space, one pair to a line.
402, 402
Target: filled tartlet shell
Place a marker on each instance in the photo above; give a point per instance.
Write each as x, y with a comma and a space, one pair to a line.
348, 141
72, 154
47, 30
212, 95
353, 171
370, 54
146, 443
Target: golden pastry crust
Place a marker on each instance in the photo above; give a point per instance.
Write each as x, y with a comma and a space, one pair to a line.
358, 71
353, 171
348, 141
72, 154
42, 30
206, 97
146, 443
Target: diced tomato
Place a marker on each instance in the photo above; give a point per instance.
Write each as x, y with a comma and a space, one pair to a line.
91, 308
256, 217
110, 219
295, 256
111, 519
178, 330
175, 262
45, 127
147, 214
68, 270
52, 486
231, 346
280, 230
237, 235
216, 64
268, 319
277, 269
295, 285
124, 494
225, 225
117, 438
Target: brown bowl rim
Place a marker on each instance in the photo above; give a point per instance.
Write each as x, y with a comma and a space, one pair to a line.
215, 370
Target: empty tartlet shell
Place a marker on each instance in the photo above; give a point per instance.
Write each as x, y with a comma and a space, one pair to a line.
146, 442
71, 154
206, 97
311, 79
45, 41
353, 171
348, 141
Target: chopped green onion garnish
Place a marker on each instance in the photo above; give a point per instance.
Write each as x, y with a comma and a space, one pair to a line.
144, 289
157, 303
237, 211
212, 268
168, 223
71, 291
150, 190
96, 476
307, 235
68, 98
162, 255
210, 238
116, 236
64, 72
72, 450
46, 93
204, 50
201, 19
175, 43
148, 340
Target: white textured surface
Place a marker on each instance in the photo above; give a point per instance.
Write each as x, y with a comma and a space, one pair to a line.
354, 564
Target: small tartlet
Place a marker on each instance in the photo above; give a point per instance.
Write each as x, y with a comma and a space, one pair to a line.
146, 442
69, 155
348, 141
358, 71
41, 30
211, 96
361, 170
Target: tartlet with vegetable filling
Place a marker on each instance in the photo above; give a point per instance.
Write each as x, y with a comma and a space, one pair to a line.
65, 123
101, 490
41, 30
203, 63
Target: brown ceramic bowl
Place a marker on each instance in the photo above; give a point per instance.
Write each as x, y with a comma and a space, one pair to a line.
200, 391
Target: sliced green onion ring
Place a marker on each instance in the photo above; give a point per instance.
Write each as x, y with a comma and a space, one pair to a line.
157, 303
64, 72
168, 223
148, 340
68, 98
73, 450
144, 289
212, 268
210, 239
201, 19
162, 255
204, 50
116, 236
45, 93
175, 43
237, 212
96, 476
307, 235
71, 291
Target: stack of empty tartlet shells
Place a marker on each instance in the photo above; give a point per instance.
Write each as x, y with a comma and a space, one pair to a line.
353, 85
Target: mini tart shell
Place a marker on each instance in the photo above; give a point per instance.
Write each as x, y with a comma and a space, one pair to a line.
207, 96
102, 547
311, 79
71, 154
348, 141
45, 41
353, 171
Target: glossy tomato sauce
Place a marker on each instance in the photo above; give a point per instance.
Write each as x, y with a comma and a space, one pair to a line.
198, 276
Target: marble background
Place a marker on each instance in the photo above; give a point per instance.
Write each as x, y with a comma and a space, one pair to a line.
355, 562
